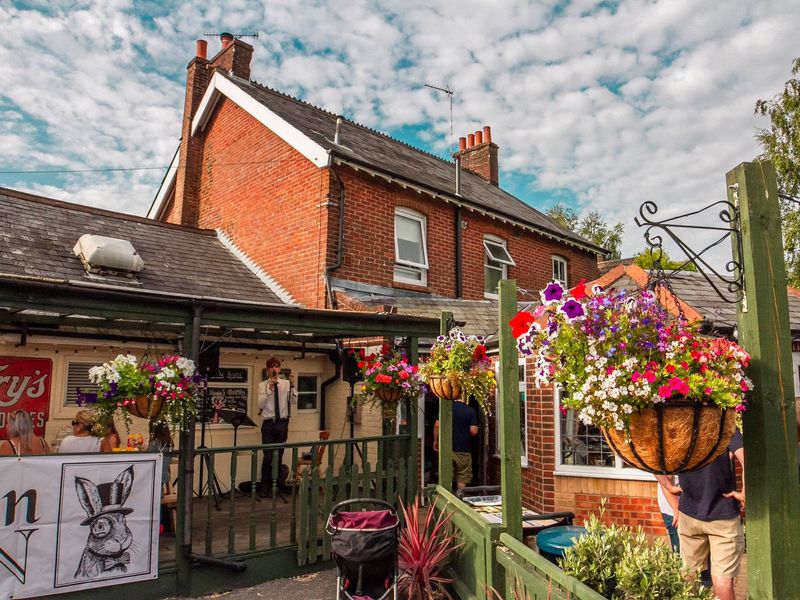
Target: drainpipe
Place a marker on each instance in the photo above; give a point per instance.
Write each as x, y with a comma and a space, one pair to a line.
459, 290
335, 357
340, 243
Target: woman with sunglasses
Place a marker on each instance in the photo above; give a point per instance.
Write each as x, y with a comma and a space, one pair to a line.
21, 440
81, 440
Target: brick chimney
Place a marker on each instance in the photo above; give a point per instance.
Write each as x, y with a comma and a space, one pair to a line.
478, 155
234, 57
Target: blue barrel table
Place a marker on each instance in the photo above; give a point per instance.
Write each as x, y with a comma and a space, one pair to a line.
553, 541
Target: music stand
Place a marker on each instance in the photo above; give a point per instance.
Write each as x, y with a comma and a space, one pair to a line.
236, 418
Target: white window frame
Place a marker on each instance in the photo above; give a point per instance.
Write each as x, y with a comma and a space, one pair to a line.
561, 261
595, 472
487, 258
319, 393
406, 265
522, 388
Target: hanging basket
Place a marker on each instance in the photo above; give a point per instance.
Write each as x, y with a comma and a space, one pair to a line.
674, 437
444, 387
389, 394
145, 407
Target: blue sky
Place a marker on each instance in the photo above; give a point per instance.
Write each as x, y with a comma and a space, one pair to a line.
600, 105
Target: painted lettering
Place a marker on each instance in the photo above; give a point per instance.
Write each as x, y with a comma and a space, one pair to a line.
38, 387
12, 502
11, 564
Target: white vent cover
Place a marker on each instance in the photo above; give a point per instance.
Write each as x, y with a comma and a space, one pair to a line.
99, 253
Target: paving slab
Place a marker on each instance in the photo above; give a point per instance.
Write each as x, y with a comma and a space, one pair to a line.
312, 586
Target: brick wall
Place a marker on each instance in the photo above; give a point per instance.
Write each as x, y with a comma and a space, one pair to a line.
369, 242
268, 198
631, 503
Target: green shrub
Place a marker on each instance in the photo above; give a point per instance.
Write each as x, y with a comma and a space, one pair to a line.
595, 556
622, 564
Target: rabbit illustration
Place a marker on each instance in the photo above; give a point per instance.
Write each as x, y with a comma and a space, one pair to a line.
109, 535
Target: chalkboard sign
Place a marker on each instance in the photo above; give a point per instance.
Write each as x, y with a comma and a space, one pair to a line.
233, 398
228, 375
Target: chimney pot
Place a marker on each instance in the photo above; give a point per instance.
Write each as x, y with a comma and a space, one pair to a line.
487, 134
202, 49
478, 138
470, 140
226, 39
462, 144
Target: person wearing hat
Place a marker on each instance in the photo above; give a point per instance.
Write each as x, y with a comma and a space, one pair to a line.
275, 396
81, 440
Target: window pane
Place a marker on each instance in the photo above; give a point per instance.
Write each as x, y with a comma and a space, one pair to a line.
409, 239
491, 278
560, 270
582, 444
307, 392
404, 272
497, 252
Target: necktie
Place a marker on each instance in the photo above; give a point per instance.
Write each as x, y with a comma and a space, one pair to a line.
277, 404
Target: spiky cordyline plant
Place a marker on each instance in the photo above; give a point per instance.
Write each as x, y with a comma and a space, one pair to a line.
424, 549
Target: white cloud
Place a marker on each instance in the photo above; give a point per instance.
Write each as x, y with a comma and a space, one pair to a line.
653, 100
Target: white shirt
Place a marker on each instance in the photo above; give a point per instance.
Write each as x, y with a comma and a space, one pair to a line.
663, 504
73, 443
266, 400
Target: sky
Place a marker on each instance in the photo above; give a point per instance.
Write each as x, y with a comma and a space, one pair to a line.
596, 105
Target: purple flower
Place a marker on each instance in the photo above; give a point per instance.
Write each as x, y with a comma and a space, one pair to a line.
553, 292
113, 387
573, 309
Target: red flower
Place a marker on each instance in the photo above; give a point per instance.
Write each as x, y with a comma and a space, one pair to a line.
385, 348
403, 375
579, 291
361, 364
479, 353
521, 323
743, 385
684, 365
670, 369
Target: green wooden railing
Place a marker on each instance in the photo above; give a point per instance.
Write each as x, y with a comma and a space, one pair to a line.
294, 514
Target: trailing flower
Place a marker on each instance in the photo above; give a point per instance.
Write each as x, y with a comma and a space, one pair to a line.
388, 379
462, 359
615, 351
172, 380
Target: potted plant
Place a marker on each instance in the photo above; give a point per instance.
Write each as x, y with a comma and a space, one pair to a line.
664, 396
458, 366
388, 379
424, 550
143, 390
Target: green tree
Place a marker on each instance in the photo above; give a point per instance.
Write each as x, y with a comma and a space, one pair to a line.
591, 226
781, 144
646, 258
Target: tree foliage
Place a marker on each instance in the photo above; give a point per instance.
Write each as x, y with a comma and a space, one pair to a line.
781, 144
646, 258
592, 227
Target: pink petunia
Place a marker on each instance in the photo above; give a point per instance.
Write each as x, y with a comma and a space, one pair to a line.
636, 376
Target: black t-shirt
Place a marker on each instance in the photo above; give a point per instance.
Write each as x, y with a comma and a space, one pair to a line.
703, 490
463, 418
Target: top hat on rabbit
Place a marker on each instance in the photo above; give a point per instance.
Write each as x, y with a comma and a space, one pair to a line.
109, 535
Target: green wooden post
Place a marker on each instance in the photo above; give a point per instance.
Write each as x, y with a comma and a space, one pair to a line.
770, 434
445, 425
508, 393
413, 428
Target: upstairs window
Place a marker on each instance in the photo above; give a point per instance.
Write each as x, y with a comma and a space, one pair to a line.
410, 249
560, 270
496, 261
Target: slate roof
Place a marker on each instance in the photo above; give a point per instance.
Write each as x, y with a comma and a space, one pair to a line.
38, 234
479, 316
383, 153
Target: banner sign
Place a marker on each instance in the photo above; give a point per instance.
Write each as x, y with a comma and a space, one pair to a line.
75, 522
25, 385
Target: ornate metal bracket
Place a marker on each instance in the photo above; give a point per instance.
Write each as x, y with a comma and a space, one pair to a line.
733, 280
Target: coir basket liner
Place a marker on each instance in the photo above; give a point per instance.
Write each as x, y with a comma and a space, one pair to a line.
145, 407
674, 437
444, 387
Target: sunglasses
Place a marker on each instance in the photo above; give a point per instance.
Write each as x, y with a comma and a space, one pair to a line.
77, 423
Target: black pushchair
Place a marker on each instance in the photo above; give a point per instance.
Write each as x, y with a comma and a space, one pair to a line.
364, 548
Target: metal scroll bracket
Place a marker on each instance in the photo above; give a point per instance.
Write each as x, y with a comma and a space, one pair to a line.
728, 284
